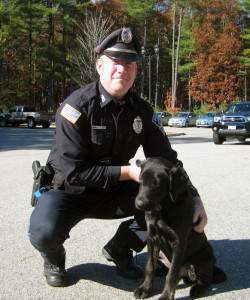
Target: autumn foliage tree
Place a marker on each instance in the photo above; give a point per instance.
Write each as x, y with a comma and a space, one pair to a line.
215, 78
217, 46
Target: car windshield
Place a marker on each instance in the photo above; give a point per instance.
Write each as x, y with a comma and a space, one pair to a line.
240, 108
182, 115
208, 115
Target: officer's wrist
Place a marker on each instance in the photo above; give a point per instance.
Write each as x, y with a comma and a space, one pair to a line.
130, 172
125, 173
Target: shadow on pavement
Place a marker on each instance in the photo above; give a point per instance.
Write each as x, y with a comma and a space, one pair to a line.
22, 138
193, 140
188, 140
232, 256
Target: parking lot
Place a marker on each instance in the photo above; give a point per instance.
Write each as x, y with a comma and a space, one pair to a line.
220, 173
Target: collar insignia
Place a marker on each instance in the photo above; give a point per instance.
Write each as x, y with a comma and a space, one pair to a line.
137, 125
103, 98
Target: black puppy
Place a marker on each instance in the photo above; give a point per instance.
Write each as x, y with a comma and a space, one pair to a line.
169, 210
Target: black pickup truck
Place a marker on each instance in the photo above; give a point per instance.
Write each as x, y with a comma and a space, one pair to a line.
234, 123
26, 114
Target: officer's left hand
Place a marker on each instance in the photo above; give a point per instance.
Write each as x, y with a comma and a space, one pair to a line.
135, 172
199, 212
130, 172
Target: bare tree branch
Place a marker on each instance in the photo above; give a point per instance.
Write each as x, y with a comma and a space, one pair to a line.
89, 34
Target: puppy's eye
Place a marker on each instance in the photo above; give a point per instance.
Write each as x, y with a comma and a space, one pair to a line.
154, 182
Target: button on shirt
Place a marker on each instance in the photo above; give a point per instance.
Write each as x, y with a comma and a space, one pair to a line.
96, 134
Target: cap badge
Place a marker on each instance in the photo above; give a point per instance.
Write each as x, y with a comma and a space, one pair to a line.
137, 126
126, 35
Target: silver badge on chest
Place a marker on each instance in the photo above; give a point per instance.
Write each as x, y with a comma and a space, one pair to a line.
137, 125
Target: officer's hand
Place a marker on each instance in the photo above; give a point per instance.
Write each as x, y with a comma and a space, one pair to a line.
135, 173
130, 172
199, 212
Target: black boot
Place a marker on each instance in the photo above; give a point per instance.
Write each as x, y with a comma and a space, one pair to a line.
54, 271
123, 258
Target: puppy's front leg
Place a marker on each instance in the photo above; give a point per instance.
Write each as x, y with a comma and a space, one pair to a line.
153, 252
173, 273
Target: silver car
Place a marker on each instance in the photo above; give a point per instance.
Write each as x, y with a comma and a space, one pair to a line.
163, 117
206, 120
183, 119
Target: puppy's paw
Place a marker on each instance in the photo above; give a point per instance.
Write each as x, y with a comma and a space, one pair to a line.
141, 292
164, 298
198, 289
219, 275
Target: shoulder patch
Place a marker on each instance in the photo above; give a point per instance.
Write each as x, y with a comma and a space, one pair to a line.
70, 113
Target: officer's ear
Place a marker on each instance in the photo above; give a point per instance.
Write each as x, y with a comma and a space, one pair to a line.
99, 65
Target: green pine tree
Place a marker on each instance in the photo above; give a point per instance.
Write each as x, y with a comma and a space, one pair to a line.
246, 39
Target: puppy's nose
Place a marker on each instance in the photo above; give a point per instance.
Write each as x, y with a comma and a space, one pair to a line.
139, 203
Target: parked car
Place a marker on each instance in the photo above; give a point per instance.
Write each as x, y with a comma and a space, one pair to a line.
26, 114
234, 123
206, 120
163, 117
183, 119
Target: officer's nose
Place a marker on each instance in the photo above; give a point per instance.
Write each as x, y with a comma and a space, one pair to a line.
121, 68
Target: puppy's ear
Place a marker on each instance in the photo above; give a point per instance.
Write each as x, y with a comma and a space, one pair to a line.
138, 163
169, 183
177, 184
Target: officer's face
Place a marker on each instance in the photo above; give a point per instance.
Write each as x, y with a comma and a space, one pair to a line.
116, 76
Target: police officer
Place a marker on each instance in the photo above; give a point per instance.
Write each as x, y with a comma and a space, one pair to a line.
99, 128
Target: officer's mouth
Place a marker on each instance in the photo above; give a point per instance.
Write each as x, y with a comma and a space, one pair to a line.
122, 82
120, 78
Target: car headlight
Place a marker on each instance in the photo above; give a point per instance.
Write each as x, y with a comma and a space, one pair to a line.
217, 119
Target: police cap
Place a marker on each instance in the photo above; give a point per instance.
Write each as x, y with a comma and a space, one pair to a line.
121, 44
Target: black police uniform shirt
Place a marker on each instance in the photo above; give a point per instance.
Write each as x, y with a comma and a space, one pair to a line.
95, 135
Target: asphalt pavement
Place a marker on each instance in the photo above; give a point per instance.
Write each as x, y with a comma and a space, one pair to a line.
220, 173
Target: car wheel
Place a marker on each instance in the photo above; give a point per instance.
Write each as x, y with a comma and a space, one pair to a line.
46, 125
186, 124
218, 140
241, 139
3, 122
31, 123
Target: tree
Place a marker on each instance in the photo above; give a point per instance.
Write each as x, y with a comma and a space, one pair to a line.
141, 10
6, 9
175, 59
245, 58
34, 46
45, 44
90, 33
186, 64
217, 44
20, 52
214, 80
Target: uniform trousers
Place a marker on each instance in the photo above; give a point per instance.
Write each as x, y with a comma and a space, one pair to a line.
57, 212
